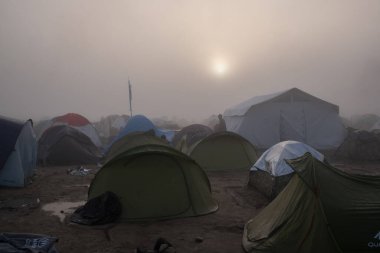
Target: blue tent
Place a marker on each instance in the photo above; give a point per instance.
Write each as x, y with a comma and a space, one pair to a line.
18, 152
140, 123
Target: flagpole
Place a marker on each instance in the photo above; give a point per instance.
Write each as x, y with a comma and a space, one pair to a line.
130, 96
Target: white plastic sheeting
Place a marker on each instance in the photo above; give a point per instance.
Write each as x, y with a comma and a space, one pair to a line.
290, 115
273, 160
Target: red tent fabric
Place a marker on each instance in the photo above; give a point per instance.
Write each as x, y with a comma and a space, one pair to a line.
72, 119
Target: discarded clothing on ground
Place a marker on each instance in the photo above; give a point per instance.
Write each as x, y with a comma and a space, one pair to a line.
104, 209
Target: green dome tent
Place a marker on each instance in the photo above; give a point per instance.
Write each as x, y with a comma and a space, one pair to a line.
322, 209
130, 141
155, 182
224, 151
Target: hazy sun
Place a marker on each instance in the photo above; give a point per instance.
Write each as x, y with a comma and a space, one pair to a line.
220, 67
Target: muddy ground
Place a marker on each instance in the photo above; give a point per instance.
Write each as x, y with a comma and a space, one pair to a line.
22, 211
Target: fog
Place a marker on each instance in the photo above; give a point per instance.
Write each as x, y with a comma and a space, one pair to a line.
76, 56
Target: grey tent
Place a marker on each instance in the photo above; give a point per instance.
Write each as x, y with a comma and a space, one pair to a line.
189, 135
64, 145
322, 209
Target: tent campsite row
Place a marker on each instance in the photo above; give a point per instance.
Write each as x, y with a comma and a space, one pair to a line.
141, 153
69, 140
299, 219
62, 144
298, 115
263, 121
138, 165
282, 107
231, 148
314, 220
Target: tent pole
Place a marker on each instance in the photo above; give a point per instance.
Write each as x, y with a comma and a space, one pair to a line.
130, 96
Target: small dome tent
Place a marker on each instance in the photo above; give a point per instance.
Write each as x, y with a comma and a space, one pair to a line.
64, 145
130, 141
72, 119
189, 135
140, 123
322, 209
18, 152
155, 182
108, 127
270, 174
224, 151
137, 123
76, 121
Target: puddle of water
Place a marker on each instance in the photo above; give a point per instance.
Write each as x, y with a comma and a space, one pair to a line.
61, 209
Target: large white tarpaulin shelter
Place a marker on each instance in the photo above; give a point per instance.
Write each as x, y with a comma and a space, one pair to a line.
288, 115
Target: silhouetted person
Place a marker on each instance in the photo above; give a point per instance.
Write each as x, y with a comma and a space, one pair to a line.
221, 126
163, 137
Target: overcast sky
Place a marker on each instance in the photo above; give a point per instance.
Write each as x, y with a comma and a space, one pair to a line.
186, 59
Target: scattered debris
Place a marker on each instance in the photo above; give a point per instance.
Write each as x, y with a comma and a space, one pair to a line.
78, 171
23, 203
